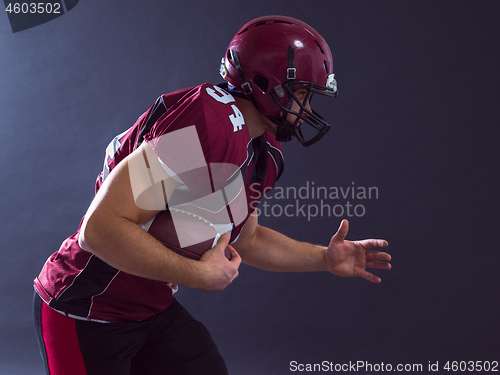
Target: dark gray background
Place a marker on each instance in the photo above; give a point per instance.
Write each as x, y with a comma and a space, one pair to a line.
417, 117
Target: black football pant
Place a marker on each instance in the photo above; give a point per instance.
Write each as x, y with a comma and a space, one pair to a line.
170, 343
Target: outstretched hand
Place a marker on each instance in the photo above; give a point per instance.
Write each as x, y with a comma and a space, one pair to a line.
351, 258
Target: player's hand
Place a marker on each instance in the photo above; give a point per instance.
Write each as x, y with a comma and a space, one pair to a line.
350, 259
216, 271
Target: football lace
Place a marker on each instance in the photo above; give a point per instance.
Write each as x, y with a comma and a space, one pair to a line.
191, 214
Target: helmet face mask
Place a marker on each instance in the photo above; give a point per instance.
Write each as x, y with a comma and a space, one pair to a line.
308, 126
272, 57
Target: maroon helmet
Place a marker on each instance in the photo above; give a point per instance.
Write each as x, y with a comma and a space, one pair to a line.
272, 57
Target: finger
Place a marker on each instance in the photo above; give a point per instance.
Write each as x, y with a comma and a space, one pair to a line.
222, 243
378, 265
342, 231
377, 255
372, 243
221, 246
235, 257
371, 277
235, 276
224, 239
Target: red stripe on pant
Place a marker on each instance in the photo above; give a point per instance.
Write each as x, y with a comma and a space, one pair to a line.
61, 343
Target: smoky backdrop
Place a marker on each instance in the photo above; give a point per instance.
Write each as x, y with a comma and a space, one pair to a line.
412, 157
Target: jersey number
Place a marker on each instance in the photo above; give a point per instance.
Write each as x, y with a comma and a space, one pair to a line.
224, 97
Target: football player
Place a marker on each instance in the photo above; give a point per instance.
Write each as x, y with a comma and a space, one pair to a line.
175, 205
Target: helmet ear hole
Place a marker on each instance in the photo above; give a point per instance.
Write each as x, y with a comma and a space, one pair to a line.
261, 82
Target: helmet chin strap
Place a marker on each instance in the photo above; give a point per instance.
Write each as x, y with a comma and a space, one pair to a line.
285, 131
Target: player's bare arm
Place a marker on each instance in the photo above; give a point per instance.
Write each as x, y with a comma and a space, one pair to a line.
111, 231
267, 249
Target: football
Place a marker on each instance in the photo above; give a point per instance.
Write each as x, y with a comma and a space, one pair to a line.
189, 230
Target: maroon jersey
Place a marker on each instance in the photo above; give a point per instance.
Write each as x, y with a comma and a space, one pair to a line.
201, 140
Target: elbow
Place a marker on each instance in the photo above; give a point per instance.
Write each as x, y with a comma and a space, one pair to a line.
82, 241
86, 238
